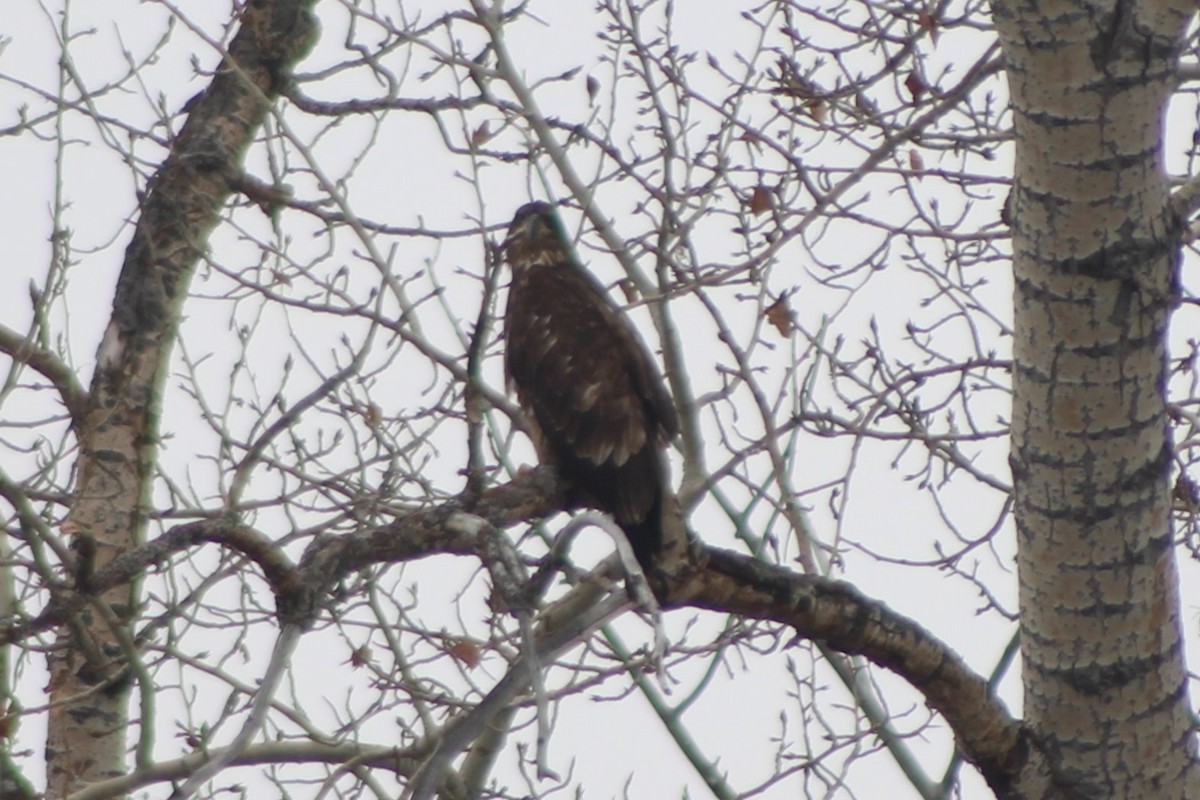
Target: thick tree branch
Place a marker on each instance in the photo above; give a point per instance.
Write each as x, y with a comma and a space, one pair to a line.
832, 612
300, 589
837, 614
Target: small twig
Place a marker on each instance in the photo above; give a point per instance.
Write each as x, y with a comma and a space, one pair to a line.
459, 734
285, 645
26, 351
636, 585
509, 580
564, 625
245, 467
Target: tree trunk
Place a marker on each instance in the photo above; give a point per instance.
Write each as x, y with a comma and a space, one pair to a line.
95, 662
1096, 251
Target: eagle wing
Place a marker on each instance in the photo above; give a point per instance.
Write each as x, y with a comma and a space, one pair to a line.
591, 386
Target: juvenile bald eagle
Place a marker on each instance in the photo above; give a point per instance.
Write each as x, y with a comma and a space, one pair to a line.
594, 400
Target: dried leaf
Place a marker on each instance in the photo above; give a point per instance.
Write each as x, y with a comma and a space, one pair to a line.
752, 138
781, 315
915, 162
373, 416
927, 22
916, 86
481, 134
465, 651
760, 200
593, 88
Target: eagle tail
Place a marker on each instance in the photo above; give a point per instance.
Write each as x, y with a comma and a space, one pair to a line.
645, 535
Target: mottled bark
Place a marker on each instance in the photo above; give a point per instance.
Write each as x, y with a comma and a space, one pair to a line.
1095, 251
90, 666
817, 608
833, 612
837, 614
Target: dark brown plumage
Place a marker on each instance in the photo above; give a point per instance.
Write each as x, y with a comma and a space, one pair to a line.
595, 401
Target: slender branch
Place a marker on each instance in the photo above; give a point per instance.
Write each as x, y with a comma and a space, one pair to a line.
395, 759
588, 608
130, 565
26, 351
285, 645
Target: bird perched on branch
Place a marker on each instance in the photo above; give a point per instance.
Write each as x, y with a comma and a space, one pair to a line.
595, 402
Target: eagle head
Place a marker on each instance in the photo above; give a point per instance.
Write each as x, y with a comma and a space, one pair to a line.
535, 236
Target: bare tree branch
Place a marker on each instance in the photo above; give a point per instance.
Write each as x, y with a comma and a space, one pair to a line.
50, 366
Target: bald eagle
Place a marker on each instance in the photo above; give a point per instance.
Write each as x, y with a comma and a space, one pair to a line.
596, 405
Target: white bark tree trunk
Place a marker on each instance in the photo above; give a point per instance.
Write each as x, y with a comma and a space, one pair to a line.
95, 661
1095, 249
